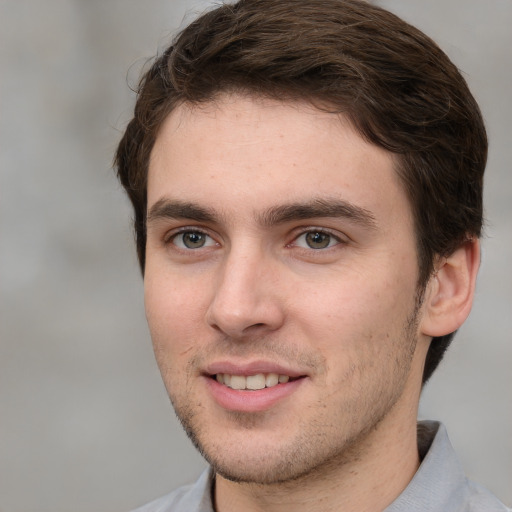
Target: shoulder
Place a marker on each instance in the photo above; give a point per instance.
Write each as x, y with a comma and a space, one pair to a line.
189, 498
481, 500
440, 484
170, 502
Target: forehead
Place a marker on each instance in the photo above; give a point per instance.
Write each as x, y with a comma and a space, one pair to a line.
240, 152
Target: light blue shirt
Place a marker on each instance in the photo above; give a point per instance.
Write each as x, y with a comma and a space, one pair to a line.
439, 485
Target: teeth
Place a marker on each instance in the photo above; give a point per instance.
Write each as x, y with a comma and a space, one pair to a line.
271, 380
255, 381
252, 382
237, 382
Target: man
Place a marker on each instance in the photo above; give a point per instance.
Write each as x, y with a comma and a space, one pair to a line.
307, 186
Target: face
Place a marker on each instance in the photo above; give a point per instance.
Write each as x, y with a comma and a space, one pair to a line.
280, 286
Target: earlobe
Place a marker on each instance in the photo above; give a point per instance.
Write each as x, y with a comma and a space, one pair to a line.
450, 291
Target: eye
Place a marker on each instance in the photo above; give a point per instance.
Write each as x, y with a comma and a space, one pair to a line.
316, 240
192, 240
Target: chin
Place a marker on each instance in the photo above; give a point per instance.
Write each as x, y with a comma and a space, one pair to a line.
275, 462
268, 475
255, 462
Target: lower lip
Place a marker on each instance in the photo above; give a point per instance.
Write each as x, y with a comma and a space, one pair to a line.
248, 400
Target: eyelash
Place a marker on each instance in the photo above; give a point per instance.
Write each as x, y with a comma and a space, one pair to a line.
317, 231
170, 238
331, 237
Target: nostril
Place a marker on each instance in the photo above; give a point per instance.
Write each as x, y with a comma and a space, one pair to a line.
238, 316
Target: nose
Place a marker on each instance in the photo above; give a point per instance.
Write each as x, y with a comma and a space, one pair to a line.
246, 298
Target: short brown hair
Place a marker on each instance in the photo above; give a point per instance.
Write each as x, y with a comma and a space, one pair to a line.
395, 85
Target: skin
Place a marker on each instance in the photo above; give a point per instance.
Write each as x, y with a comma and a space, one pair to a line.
345, 317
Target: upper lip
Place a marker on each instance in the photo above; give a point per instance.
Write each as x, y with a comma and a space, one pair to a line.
251, 368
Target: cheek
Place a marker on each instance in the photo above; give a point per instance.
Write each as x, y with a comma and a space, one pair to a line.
347, 301
356, 316
174, 316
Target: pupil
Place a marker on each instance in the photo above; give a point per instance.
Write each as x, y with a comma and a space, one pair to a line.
193, 240
317, 240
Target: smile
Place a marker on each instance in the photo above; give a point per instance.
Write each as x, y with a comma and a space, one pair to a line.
251, 382
252, 392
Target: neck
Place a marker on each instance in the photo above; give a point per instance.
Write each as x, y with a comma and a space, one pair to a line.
370, 478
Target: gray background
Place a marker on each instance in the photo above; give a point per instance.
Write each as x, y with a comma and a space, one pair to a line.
85, 423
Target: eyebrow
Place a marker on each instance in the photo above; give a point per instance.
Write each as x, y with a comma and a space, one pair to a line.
170, 209
166, 208
330, 207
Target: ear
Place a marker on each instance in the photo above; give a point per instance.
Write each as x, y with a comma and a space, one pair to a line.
450, 291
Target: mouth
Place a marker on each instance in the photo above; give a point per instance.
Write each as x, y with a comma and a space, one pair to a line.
252, 382
252, 392
252, 387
